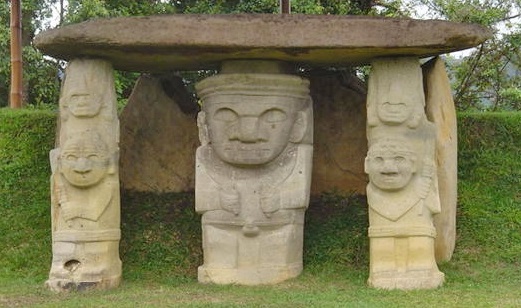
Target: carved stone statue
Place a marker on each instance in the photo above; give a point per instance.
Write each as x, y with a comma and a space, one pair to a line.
88, 90
403, 190
84, 184
253, 173
85, 212
402, 199
395, 96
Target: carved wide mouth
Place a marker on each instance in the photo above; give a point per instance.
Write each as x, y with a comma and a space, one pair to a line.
80, 100
390, 175
248, 150
258, 147
248, 156
394, 108
84, 104
84, 178
83, 174
79, 96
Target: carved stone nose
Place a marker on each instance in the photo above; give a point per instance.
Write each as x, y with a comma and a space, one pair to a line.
389, 167
248, 129
82, 165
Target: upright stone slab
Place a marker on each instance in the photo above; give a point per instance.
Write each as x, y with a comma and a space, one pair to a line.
402, 192
441, 111
85, 203
253, 173
158, 138
340, 143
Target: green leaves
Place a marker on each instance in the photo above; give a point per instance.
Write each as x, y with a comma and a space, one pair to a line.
84, 10
485, 79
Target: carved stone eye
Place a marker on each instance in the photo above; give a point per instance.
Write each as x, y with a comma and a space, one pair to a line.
274, 116
71, 157
378, 160
399, 160
93, 156
225, 115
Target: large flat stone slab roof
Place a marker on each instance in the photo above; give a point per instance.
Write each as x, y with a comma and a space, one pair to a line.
185, 42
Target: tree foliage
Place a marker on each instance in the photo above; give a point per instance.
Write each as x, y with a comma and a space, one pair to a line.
39, 73
488, 78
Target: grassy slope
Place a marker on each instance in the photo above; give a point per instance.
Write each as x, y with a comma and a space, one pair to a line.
490, 188
25, 140
161, 234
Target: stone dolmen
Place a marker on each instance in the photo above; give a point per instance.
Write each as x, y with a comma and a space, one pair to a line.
254, 166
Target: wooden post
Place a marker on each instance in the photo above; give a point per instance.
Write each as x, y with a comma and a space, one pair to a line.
15, 99
62, 10
285, 6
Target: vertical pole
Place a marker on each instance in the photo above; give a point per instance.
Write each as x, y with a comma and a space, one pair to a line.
15, 99
61, 12
285, 6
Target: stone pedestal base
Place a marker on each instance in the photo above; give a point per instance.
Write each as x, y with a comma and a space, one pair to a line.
248, 276
410, 280
84, 266
251, 255
403, 262
66, 285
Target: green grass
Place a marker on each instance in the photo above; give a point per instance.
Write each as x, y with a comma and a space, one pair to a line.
25, 140
490, 188
161, 241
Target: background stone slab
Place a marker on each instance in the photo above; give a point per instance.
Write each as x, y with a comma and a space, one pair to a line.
340, 142
158, 140
440, 109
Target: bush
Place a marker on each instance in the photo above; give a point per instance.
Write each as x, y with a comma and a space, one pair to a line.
161, 234
26, 136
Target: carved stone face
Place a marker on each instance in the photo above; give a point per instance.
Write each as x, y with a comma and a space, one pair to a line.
84, 85
390, 169
84, 162
396, 107
83, 104
250, 130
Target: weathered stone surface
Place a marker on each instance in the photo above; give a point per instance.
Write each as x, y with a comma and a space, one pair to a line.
146, 164
85, 205
441, 111
162, 43
158, 139
253, 175
340, 142
403, 189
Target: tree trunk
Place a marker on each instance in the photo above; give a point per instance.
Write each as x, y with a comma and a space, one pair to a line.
62, 10
285, 6
15, 99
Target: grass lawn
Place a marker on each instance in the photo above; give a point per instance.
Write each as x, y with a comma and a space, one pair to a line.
161, 241
326, 286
